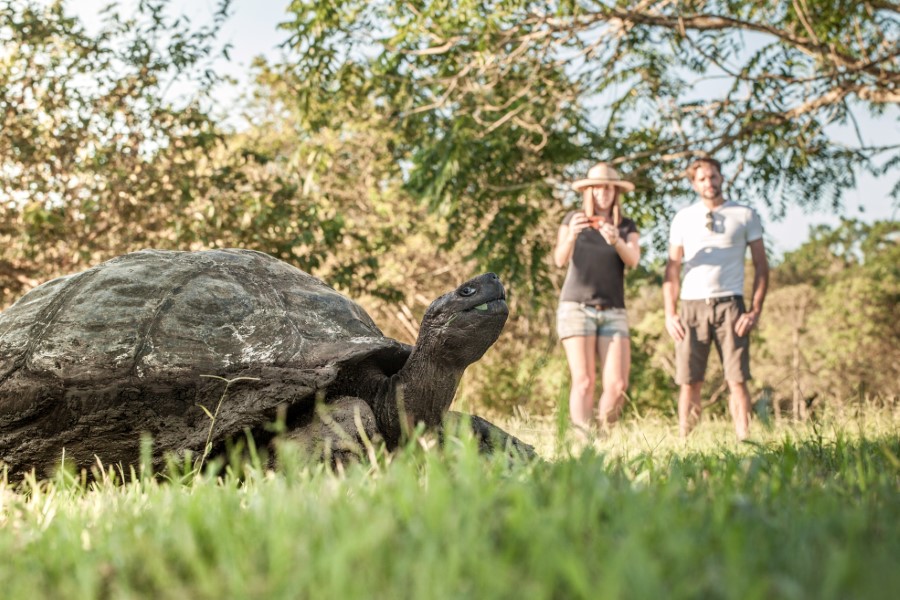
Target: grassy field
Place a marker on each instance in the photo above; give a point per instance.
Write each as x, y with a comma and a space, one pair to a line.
802, 512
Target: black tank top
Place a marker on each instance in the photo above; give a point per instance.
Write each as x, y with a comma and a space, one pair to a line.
596, 272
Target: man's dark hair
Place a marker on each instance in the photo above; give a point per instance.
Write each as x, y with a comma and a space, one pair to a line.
692, 168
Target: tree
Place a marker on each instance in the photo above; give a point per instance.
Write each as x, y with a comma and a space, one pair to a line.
99, 156
786, 329
501, 103
832, 317
95, 158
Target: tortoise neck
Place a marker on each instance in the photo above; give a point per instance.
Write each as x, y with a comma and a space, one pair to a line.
421, 392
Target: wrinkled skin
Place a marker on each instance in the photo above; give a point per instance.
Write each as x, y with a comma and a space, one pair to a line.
457, 329
147, 344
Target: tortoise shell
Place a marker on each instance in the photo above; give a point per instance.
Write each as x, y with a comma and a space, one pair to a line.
141, 342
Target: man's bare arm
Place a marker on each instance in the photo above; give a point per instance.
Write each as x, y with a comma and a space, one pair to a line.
749, 319
671, 289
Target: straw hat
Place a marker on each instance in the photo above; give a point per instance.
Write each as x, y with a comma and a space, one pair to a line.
602, 174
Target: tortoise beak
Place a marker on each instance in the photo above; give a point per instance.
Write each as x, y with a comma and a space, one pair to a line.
491, 308
489, 295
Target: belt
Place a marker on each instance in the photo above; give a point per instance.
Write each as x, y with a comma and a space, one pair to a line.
597, 306
720, 299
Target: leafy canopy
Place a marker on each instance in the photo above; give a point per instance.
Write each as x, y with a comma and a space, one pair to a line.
498, 104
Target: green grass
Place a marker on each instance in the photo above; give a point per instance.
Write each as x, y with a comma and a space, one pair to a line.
804, 512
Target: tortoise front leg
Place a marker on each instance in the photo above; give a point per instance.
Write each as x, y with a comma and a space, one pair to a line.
342, 430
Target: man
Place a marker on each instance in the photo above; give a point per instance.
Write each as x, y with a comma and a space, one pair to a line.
710, 238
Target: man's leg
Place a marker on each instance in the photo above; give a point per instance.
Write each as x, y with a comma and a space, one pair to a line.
739, 405
691, 355
689, 407
734, 350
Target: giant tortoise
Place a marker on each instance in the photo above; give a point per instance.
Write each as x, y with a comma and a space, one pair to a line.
148, 342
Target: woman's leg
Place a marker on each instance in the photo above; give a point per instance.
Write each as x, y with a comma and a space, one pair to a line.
580, 352
615, 361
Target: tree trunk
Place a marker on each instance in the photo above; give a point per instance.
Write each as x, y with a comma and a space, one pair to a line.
799, 404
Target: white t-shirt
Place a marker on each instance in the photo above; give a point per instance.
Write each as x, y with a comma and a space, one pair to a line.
713, 263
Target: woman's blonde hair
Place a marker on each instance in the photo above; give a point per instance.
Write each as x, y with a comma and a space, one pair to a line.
588, 203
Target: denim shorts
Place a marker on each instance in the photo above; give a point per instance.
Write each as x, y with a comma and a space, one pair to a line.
576, 319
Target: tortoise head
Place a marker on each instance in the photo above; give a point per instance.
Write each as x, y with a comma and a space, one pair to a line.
462, 324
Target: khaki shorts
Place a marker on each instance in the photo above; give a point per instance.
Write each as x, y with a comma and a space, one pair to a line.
576, 319
707, 322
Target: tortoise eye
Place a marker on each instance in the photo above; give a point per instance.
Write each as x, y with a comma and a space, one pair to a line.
467, 291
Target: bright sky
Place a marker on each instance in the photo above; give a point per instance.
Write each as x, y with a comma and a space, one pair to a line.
252, 31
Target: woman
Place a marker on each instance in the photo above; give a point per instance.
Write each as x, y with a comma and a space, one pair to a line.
597, 243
